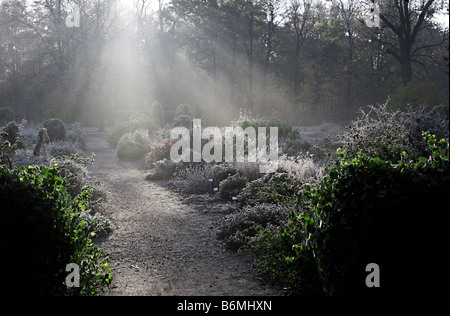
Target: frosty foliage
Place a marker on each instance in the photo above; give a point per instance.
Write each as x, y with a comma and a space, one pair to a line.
379, 132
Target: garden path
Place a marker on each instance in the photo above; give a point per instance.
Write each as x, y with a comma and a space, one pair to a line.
160, 246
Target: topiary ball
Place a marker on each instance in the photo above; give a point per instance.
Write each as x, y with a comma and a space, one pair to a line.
56, 129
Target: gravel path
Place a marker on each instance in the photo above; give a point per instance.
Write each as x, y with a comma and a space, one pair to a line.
159, 245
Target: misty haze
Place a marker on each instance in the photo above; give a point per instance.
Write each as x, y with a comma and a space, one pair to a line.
106, 107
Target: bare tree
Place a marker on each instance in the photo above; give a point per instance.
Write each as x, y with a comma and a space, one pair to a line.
407, 20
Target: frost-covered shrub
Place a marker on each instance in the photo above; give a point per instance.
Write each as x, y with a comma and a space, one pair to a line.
249, 170
63, 148
424, 118
29, 134
201, 178
303, 168
164, 169
294, 146
130, 126
193, 179
385, 134
222, 171
285, 130
98, 223
56, 129
231, 186
75, 134
237, 228
363, 210
132, 146
25, 157
276, 188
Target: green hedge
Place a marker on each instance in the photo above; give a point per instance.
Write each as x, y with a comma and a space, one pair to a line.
365, 210
45, 234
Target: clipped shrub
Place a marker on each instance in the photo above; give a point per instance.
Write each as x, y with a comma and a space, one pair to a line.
133, 146
56, 129
157, 114
48, 235
193, 179
285, 130
231, 186
183, 121
40, 149
183, 109
249, 170
136, 124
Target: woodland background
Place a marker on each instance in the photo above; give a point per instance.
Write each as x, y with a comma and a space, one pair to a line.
308, 61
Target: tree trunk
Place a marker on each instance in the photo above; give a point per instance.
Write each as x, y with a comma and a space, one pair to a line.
406, 34
250, 62
270, 31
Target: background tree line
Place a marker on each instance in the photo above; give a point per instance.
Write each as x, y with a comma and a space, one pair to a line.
307, 60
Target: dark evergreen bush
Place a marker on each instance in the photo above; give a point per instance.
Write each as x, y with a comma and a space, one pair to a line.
46, 235
12, 130
365, 210
6, 114
369, 210
56, 129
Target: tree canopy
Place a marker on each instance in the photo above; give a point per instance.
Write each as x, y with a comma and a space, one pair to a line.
307, 60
